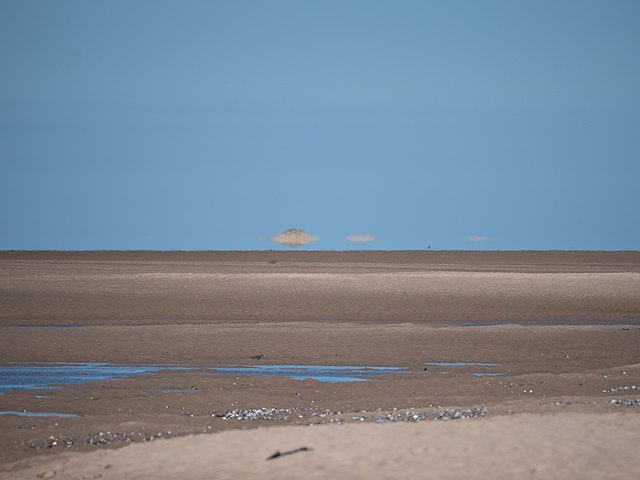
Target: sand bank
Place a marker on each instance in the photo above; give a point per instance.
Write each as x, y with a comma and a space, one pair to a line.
506, 447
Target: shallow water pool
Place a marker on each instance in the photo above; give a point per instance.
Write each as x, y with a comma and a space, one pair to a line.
48, 376
52, 376
321, 373
24, 413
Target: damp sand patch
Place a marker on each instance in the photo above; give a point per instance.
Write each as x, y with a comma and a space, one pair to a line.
462, 364
612, 322
450, 368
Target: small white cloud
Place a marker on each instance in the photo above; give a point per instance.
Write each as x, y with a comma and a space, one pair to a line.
478, 238
294, 238
361, 238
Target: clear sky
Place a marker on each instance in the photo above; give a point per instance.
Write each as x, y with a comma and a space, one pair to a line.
218, 124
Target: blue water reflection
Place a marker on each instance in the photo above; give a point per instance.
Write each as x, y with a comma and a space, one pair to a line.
51, 376
24, 413
46, 376
321, 373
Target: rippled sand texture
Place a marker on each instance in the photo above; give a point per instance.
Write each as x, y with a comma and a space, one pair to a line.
421, 287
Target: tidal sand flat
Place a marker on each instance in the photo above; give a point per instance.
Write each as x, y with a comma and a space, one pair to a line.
536, 354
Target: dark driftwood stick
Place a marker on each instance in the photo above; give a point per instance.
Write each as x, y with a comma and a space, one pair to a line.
278, 453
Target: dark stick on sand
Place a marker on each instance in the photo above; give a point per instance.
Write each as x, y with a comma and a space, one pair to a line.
278, 453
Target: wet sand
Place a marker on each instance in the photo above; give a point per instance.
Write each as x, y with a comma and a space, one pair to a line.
562, 327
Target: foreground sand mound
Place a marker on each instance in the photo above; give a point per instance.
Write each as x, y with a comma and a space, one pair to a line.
561, 446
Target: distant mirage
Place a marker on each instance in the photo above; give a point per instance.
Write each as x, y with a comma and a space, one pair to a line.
294, 238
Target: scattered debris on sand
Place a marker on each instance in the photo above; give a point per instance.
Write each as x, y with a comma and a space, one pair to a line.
340, 417
633, 402
414, 415
255, 414
622, 389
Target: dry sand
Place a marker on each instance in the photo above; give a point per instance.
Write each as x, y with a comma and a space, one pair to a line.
563, 327
522, 446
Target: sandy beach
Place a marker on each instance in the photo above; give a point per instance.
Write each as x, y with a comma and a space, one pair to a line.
541, 350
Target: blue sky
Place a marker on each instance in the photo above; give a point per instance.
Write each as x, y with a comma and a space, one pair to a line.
218, 124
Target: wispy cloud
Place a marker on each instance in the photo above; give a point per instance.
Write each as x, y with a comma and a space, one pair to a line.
478, 238
361, 238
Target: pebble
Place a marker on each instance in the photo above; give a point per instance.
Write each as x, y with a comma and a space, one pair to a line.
270, 414
625, 403
98, 439
256, 414
422, 415
47, 474
621, 389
